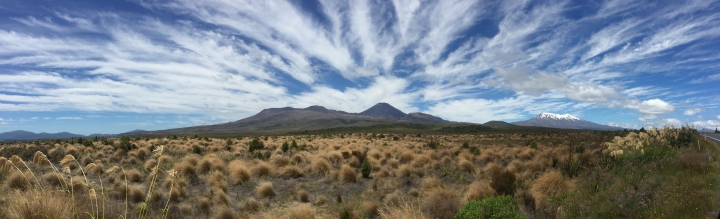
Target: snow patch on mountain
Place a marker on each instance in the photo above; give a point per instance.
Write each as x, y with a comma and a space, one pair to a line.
556, 116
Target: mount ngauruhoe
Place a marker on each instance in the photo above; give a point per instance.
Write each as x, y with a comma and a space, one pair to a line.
565, 121
283, 120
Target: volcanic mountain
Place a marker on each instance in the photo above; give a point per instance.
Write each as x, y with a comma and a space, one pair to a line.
565, 121
287, 119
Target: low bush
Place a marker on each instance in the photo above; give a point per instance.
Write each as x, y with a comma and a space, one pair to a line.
500, 207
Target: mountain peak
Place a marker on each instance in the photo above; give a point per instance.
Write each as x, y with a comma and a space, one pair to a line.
384, 110
556, 116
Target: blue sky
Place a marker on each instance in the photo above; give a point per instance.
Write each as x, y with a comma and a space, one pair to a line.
115, 66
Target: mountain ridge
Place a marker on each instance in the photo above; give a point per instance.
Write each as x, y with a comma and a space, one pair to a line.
563, 121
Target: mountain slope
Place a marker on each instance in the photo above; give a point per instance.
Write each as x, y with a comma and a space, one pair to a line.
385, 111
287, 119
565, 121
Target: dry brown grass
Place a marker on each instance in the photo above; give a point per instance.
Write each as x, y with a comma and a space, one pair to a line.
136, 193
210, 162
466, 166
347, 174
320, 200
216, 179
297, 211
250, 205
37, 205
279, 160
404, 211
479, 190
441, 204
238, 172
320, 166
261, 169
18, 180
134, 175
432, 182
549, 183
54, 179
291, 172
224, 213
150, 164
265, 190
303, 196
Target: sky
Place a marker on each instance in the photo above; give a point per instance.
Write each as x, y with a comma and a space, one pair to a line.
112, 66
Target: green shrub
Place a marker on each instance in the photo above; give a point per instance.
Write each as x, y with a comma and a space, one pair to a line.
491, 208
285, 147
255, 144
197, 149
433, 144
365, 169
570, 169
125, 144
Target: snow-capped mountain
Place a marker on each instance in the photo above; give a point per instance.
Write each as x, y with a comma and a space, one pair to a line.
564, 121
556, 116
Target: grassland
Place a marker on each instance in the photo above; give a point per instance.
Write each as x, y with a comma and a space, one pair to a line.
667, 173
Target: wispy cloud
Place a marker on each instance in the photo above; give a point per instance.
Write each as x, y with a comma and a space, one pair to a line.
454, 58
68, 118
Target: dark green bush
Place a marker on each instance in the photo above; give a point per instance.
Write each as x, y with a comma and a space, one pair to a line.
499, 207
285, 147
255, 144
125, 144
365, 169
433, 144
570, 169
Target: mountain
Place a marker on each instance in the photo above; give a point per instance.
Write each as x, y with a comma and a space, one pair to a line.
565, 121
499, 124
384, 110
287, 119
25, 135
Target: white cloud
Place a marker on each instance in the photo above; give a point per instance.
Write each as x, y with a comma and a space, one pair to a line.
592, 93
1, 119
4, 123
46, 118
382, 89
35, 118
68, 118
692, 111
624, 125
522, 80
672, 122
706, 79
652, 106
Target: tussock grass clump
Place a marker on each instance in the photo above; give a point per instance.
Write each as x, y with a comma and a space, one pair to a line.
261, 169
303, 196
22, 205
224, 213
136, 193
432, 182
150, 164
54, 179
347, 174
320, 166
164, 159
441, 204
279, 160
291, 172
406, 210
320, 200
369, 209
217, 180
249, 205
265, 190
550, 183
466, 166
134, 175
185, 168
479, 190
210, 162
238, 172
18, 180
297, 211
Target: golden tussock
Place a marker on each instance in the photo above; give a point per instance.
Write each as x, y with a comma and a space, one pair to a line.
238, 172
265, 190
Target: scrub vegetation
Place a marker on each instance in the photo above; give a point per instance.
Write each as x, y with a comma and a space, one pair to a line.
665, 173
